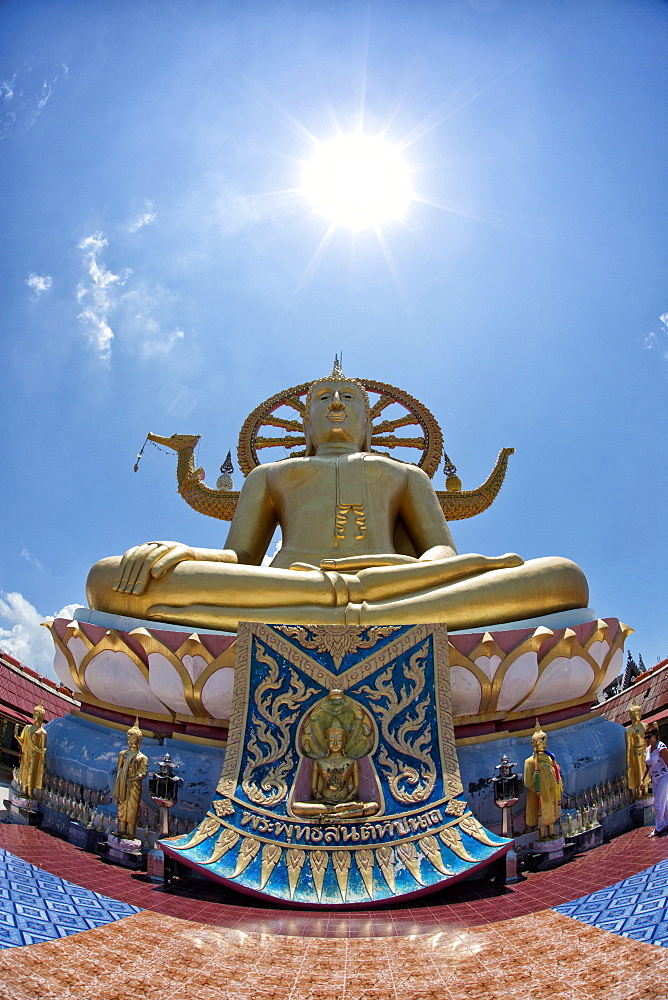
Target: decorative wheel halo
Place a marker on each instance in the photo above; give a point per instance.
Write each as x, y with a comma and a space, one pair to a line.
429, 442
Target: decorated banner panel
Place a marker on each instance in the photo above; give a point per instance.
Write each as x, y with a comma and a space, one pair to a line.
341, 783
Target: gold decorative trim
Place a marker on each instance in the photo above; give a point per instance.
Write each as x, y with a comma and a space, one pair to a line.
201, 740
108, 724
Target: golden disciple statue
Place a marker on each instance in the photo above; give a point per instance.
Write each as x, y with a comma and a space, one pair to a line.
337, 732
131, 769
364, 541
542, 779
32, 740
635, 752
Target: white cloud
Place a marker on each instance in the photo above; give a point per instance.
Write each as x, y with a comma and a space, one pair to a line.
656, 339
7, 88
39, 283
147, 312
96, 293
30, 558
266, 559
145, 219
23, 637
25, 95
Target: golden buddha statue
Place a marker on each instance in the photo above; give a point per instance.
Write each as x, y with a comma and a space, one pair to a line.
635, 752
364, 542
131, 769
337, 732
542, 779
32, 740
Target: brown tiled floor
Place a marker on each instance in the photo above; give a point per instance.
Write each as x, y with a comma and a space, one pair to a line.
463, 905
155, 957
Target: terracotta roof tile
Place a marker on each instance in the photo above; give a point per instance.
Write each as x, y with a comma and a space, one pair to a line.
22, 688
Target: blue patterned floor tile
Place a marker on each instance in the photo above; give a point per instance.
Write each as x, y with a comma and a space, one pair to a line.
635, 908
29, 938
36, 906
611, 925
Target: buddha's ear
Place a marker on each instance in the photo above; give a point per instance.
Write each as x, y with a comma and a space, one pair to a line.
308, 449
367, 437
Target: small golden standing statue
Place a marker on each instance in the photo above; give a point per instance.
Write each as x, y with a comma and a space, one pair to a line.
32, 740
131, 769
337, 732
635, 752
542, 779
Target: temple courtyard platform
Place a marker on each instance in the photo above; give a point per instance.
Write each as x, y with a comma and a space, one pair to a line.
595, 928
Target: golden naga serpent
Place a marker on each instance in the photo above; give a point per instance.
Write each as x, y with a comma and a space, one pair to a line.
456, 503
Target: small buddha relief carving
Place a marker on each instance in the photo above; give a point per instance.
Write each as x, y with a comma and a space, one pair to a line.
337, 736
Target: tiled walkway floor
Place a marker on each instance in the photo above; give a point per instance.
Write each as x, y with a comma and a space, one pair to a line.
466, 904
155, 957
36, 906
472, 942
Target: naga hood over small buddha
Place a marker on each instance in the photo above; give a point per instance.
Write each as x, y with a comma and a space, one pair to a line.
364, 541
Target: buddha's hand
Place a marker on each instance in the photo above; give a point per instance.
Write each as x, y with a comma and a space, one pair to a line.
151, 559
350, 564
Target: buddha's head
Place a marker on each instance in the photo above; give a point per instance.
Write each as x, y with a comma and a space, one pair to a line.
635, 712
337, 411
335, 736
38, 713
134, 735
539, 739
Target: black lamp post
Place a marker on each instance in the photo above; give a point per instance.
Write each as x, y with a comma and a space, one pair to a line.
507, 791
163, 786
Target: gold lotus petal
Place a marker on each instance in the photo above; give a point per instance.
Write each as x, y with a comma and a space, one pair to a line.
225, 842
469, 824
208, 826
452, 839
341, 861
429, 847
365, 862
294, 859
271, 855
319, 861
407, 853
385, 859
249, 848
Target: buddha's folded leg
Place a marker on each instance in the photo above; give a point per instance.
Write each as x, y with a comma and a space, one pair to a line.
215, 584
538, 587
211, 616
394, 582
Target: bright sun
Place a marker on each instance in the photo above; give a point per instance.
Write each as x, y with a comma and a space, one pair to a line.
358, 181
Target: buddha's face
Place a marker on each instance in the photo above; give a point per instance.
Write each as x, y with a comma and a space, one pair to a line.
335, 742
539, 743
337, 413
133, 741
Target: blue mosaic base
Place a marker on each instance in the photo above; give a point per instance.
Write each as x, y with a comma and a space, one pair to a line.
36, 906
259, 836
635, 908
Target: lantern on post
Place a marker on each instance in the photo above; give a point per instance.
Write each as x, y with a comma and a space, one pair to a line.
163, 786
507, 790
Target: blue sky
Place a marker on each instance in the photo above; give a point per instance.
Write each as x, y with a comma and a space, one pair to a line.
159, 266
